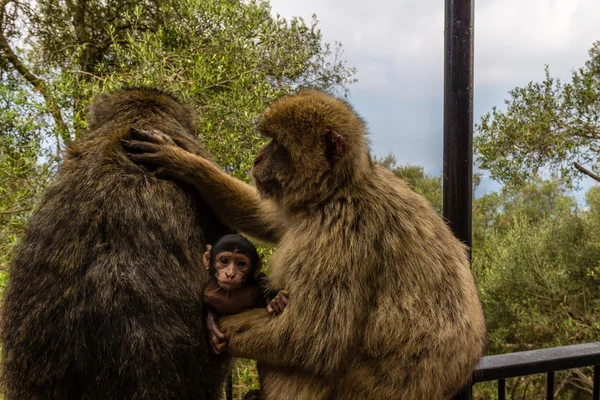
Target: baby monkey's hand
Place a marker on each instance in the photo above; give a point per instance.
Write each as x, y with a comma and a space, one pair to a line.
278, 303
217, 340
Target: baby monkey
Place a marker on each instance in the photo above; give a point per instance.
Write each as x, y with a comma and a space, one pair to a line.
235, 284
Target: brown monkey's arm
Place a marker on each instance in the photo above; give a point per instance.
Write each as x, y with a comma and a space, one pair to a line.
235, 202
316, 332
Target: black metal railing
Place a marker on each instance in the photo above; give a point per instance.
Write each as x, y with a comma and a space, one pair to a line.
544, 361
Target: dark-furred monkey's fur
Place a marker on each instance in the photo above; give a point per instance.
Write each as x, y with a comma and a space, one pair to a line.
382, 303
104, 299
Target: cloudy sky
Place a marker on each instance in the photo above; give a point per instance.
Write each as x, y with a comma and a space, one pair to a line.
397, 46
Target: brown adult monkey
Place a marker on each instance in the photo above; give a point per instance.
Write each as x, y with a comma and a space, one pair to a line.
104, 299
382, 300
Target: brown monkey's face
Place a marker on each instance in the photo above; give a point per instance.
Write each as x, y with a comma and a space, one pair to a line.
231, 269
280, 169
301, 164
272, 168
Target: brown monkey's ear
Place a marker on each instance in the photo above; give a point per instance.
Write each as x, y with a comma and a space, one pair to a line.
335, 144
206, 256
258, 265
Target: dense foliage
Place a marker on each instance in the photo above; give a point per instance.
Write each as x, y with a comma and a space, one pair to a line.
547, 126
536, 252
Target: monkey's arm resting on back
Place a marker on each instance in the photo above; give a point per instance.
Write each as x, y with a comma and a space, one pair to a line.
316, 332
235, 202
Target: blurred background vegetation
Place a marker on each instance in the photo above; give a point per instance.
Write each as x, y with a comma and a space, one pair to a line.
536, 250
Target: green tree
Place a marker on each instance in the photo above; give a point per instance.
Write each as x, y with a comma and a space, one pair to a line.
535, 259
547, 126
227, 59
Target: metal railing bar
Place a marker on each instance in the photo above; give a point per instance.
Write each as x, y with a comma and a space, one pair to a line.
537, 361
465, 394
229, 387
501, 389
550, 385
596, 394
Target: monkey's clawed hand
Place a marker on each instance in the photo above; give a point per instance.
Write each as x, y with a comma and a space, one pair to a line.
278, 303
159, 151
215, 336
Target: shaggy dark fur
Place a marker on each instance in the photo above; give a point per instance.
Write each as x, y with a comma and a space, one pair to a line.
104, 296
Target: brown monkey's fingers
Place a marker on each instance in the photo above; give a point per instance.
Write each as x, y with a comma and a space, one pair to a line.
217, 332
214, 345
283, 296
221, 347
154, 136
136, 146
274, 308
217, 345
269, 308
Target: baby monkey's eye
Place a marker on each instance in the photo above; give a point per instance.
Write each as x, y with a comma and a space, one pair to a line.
224, 260
241, 264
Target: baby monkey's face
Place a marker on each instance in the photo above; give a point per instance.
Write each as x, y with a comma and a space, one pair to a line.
232, 269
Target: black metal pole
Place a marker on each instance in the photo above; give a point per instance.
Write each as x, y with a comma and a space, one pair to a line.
229, 387
465, 394
596, 389
458, 117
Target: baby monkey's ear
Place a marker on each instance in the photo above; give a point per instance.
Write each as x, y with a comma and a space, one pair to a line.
258, 265
206, 256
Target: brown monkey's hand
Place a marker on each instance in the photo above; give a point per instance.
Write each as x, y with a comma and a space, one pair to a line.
156, 136
157, 150
276, 306
215, 336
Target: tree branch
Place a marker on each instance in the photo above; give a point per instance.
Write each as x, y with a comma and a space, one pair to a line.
35, 81
6, 212
586, 171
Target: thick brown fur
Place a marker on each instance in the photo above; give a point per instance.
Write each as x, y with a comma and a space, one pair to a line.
104, 299
382, 300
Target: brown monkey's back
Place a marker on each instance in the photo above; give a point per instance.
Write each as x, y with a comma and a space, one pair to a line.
423, 331
104, 296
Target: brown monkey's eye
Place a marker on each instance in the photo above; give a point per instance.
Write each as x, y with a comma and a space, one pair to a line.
224, 260
241, 264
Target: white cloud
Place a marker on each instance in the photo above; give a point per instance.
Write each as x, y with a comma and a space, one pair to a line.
398, 45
